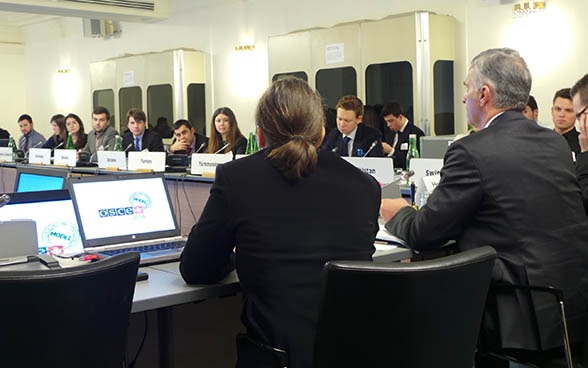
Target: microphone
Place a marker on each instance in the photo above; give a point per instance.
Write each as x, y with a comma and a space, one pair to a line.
4, 199
335, 149
201, 147
223, 147
29, 150
371, 148
56, 147
127, 148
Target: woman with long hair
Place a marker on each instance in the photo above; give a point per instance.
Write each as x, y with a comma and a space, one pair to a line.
225, 130
59, 133
279, 214
75, 127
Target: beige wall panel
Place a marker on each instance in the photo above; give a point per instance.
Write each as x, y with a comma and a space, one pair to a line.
290, 53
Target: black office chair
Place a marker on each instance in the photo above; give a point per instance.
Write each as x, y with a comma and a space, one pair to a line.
420, 314
68, 317
535, 357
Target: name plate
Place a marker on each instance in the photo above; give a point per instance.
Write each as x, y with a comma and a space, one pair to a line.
6, 154
64, 157
207, 162
40, 156
145, 160
424, 167
381, 168
111, 159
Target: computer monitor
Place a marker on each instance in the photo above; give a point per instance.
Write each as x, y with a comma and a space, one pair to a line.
435, 146
55, 218
35, 179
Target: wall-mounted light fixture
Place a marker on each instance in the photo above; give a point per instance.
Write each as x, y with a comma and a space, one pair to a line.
527, 8
63, 70
245, 48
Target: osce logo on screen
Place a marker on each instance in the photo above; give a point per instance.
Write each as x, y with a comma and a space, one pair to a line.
138, 201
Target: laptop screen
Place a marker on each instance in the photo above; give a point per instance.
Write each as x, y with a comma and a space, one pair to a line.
53, 212
34, 179
115, 209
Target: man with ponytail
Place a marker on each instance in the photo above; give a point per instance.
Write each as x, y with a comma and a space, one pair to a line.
275, 214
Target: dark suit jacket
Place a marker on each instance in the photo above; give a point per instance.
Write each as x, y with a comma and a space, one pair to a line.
512, 186
364, 137
200, 139
399, 153
284, 233
151, 141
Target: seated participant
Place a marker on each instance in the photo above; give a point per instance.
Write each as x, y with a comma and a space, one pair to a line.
275, 208
75, 127
511, 186
353, 136
138, 137
102, 136
186, 140
30, 138
225, 130
164, 130
531, 110
393, 114
59, 132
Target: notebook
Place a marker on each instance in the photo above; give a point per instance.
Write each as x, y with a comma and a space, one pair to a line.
53, 212
124, 213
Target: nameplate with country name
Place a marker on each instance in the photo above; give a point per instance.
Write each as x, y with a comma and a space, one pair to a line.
6, 154
381, 168
206, 163
424, 167
64, 157
40, 156
112, 160
147, 161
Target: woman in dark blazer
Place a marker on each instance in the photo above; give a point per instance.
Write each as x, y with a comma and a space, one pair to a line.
225, 130
59, 133
280, 214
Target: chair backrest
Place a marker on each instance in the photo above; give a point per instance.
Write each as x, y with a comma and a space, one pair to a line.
69, 317
419, 314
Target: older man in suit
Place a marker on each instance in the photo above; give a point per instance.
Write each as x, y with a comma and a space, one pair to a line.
353, 138
512, 186
138, 138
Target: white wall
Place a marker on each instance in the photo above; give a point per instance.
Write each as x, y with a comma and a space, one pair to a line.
236, 80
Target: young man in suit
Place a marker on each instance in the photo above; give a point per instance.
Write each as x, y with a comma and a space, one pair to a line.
186, 140
564, 119
393, 114
352, 136
102, 136
139, 137
512, 186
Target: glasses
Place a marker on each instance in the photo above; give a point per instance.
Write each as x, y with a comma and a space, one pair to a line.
581, 112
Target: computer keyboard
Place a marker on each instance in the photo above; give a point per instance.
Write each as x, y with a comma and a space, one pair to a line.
147, 248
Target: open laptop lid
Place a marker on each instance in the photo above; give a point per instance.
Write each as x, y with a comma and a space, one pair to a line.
114, 209
30, 178
54, 215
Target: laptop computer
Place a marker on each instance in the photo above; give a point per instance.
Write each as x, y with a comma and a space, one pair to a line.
53, 212
19, 241
435, 146
126, 213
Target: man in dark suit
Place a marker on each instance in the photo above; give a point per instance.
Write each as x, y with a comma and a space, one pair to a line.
186, 140
138, 138
512, 186
353, 138
393, 114
579, 93
564, 119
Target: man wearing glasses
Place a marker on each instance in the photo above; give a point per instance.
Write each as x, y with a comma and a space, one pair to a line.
562, 113
579, 93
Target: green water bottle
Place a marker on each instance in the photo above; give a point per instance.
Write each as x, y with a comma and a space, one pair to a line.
12, 144
70, 144
251, 144
117, 143
413, 151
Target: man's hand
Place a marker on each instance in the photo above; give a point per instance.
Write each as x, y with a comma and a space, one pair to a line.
178, 146
386, 147
390, 207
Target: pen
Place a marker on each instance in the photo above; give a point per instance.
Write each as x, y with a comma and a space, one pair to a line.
412, 194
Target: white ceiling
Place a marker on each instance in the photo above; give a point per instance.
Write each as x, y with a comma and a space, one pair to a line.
11, 19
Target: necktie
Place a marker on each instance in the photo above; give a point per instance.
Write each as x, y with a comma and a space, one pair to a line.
345, 146
137, 144
26, 143
189, 150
